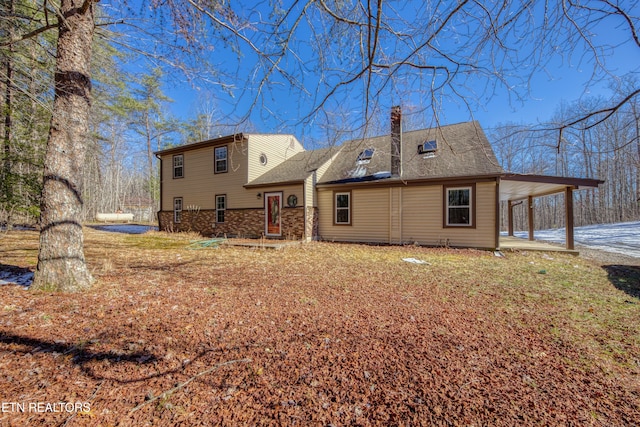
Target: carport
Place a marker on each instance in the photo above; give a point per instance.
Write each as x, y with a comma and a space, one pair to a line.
515, 188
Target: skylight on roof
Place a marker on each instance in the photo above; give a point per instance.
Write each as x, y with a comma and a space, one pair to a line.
365, 156
428, 147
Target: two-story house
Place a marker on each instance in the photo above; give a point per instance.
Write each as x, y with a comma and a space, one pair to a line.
438, 186
204, 187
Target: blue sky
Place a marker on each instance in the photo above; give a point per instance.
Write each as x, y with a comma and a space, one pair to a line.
282, 108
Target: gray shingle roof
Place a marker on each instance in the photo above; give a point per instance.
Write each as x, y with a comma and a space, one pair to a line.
296, 168
463, 150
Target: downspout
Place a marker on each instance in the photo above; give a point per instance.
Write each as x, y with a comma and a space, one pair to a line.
497, 215
161, 181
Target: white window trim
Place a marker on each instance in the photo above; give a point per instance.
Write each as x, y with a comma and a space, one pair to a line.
177, 213
223, 197
181, 165
469, 206
336, 208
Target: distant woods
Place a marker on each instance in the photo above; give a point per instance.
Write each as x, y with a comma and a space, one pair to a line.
605, 146
130, 119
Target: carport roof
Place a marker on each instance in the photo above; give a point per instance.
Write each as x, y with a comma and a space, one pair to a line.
517, 186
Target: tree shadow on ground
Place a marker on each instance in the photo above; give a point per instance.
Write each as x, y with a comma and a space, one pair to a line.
83, 357
625, 277
79, 354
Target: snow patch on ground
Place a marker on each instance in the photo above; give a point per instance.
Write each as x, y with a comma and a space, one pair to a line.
621, 238
126, 228
10, 275
16, 276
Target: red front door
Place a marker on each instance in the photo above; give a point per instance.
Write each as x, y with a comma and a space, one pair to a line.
273, 216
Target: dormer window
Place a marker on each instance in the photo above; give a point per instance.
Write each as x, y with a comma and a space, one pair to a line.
365, 156
428, 148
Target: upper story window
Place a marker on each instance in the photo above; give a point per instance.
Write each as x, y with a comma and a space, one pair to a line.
178, 166
220, 161
428, 148
365, 156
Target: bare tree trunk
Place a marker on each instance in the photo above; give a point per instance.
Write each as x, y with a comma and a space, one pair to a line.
6, 171
61, 262
7, 187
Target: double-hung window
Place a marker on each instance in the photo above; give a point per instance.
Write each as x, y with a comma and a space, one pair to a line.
459, 206
220, 161
342, 203
178, 166
221, 206
177, 209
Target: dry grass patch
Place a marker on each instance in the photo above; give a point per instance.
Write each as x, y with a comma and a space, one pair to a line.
322, 334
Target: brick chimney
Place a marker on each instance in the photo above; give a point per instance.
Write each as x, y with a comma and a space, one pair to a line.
396, 140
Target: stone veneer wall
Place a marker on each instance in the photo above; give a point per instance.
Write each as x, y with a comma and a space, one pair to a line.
238, 222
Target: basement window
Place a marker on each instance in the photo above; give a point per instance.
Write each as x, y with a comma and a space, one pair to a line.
365, 156
428, 148
177, 209
221, 207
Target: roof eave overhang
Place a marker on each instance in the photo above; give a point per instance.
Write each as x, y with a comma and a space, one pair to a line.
521, 186
409, 182
273, 184
229, 139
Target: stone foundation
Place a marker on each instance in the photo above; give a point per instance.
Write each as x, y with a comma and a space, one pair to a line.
239, 222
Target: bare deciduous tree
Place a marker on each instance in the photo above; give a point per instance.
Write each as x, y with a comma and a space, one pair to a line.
369, 55
360, 57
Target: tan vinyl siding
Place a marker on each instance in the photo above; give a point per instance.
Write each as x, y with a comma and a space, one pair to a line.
309, 191
369, 216
277, 148
408, 215
324, 167
422, 211
200, 185
395, 215
314, 177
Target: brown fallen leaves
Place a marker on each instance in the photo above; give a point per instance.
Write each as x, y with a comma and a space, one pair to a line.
319, 334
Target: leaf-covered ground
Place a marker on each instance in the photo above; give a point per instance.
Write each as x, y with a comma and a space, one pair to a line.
319, 334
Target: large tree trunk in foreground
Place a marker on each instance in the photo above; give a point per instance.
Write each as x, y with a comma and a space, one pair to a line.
61, 262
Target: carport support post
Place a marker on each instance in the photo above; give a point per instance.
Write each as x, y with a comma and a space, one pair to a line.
568, 202
510, 217
530, 215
